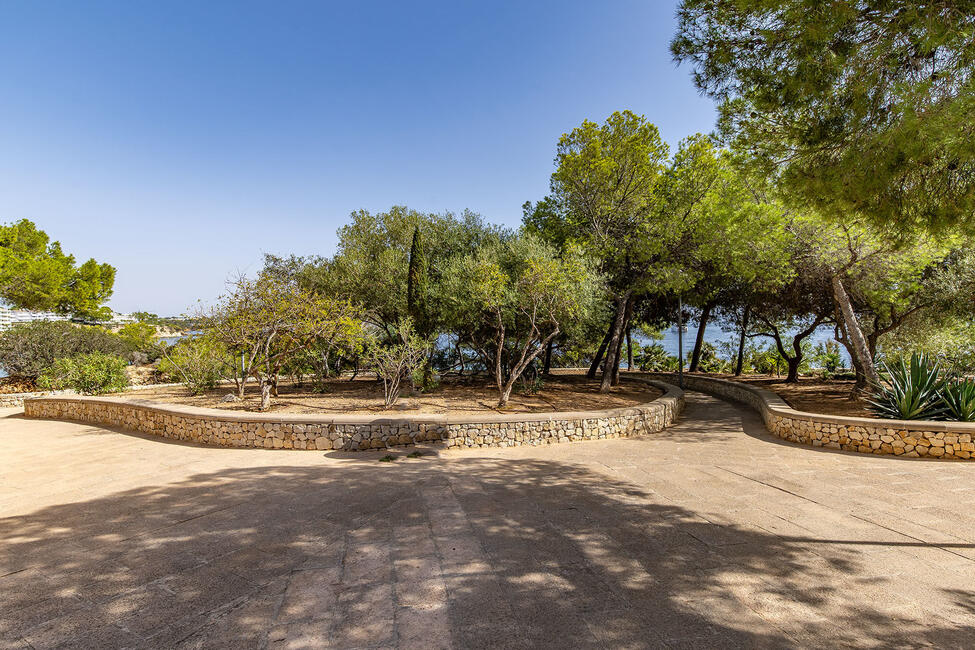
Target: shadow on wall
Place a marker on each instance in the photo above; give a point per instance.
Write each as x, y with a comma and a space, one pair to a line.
469, 553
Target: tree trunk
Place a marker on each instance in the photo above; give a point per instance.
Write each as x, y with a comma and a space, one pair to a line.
699, 340
618, 357
629, 348
547, 365
615, 332
594, 366
858, 344
740, 361
265, 393
793, 376
504, 392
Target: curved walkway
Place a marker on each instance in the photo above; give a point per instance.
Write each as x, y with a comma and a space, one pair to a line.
710, 534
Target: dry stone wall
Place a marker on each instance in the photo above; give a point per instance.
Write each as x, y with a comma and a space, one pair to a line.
912, 438
14, 400
227, 429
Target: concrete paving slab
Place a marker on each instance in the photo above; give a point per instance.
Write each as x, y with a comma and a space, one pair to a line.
710, 534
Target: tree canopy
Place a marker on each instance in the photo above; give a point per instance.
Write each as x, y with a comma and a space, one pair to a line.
861, 107
36, 274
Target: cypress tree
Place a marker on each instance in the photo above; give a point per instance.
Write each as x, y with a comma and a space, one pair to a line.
416, 284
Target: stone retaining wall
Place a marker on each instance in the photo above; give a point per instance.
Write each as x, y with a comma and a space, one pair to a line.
954, 440
13, 400
229, 429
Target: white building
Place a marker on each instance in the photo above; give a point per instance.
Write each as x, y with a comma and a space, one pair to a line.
10, 317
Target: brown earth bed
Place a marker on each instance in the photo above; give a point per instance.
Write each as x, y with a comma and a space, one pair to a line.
10, 385
814, 395
456, 396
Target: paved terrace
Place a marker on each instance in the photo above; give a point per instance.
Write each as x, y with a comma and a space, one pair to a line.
711, 534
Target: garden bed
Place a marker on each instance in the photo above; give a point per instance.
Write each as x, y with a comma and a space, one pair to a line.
13, 385
456, 396
812, 394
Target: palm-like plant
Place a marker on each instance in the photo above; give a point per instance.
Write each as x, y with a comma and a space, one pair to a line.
910, 391
959, 400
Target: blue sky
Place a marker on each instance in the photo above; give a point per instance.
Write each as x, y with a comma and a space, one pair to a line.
179, 141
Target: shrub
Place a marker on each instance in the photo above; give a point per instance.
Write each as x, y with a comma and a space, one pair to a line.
27, 349
828, 358
531, 383
424, 379
141, 339
398, 361
653, 358
710, 361
958, 397
197, 363
91, 374
909, 390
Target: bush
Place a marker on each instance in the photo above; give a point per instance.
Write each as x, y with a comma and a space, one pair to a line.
828, 358
91, 374
531, 382
141, 340
197, 363
653, 358
27, 349
910, 390
397, 361
424, 379
710, 361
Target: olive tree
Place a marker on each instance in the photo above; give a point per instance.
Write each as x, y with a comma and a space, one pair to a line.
268, 321
512, 297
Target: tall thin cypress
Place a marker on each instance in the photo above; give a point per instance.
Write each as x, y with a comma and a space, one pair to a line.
416, 284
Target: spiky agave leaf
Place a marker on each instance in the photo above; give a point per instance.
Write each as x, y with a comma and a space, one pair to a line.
909, 391
959, 400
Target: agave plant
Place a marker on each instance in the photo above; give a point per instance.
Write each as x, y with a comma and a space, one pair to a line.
959, 400
909, 391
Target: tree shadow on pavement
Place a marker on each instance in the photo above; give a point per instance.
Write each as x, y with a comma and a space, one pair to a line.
463, 553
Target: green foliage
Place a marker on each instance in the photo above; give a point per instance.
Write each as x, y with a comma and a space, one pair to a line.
147, 317
141, 337
416, 283
270, 320
93, 373
27, 349
424, 380
653, 358
531, 385
827, 358
371, 266
36, 274
397, 361
608, 186
198, 362
711, 361
938, 334
511, 297
910, 390
862, 106
958, 397
764, 359
916, 389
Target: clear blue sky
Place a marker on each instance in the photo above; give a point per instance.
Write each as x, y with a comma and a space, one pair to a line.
179, 141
